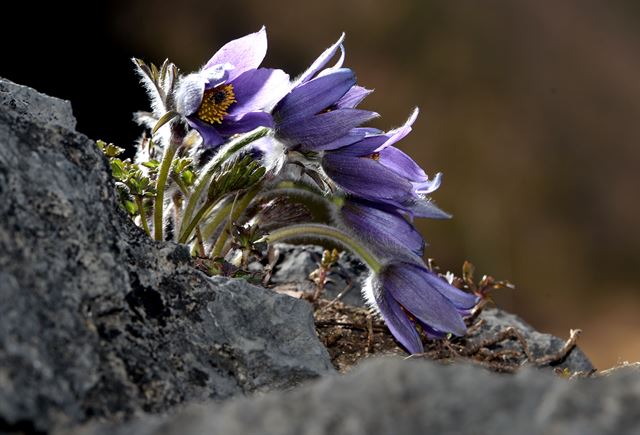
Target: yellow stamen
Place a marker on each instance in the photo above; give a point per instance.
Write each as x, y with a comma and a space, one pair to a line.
215, 104
375, 156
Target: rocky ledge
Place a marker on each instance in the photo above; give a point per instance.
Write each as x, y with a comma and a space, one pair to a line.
103, 330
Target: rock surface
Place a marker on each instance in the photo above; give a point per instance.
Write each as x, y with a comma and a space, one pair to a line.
540, 344
417, 397
296, 262
97, 320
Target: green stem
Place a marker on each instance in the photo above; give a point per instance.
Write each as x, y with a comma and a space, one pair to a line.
215, 222
237, 208
199, 243
238, 143
207, 171
318, 205
143, 214
161, 184
200, 185
325, 232
195, 221
183, 187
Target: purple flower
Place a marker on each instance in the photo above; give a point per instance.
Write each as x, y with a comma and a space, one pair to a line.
407, 294
373, 169
230, 94
382, 226
321, 107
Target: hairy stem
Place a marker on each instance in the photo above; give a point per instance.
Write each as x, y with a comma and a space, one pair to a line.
143, 214
161, 184
183, 187
318, 205
237, 208
199, 242
200, 185
215, 222
195, 221
325, 232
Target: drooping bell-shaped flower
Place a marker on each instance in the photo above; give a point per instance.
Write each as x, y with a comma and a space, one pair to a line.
230, 94
373, 169
406, 294
320, 110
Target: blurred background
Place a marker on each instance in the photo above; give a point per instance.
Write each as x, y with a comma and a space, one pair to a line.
531, 109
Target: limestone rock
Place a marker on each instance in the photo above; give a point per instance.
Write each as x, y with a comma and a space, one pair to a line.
96, 319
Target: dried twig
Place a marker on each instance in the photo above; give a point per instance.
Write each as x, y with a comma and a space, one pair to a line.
506, 334
340, 295
471, 330
562, 353
348, 325
370, 333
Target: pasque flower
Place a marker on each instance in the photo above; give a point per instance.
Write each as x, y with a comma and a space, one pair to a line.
230, 94
371, 190
408, 294
319, 112
373, 169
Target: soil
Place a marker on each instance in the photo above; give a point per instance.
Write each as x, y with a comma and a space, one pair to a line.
352, 334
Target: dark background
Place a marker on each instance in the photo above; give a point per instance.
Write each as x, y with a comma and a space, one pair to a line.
531, 109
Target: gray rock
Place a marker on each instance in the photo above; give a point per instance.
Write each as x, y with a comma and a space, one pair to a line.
540, 344
297, 262
96, 319
36, 107
398, 397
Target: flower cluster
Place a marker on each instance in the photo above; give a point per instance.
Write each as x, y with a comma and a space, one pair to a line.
283, 159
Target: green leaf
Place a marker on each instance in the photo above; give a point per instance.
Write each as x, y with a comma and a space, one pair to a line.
188, 177
151, 164
163, 120
130, 207
109, 150
118, 169
154, 72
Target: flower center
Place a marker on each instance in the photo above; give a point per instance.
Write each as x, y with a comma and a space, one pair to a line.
215, 104
375, 156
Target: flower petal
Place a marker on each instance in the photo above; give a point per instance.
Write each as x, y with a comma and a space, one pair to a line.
432, 333
258, 89
189, 94
243, 53
365, 147
321, 129
353, 97
216, 75
352, 136
366, 178
428, 186
413, 287
397, 321
244, 123
384, 227
461, 300
399, 133
321, 61
210, 136
314, 96
425, 208
402, 164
